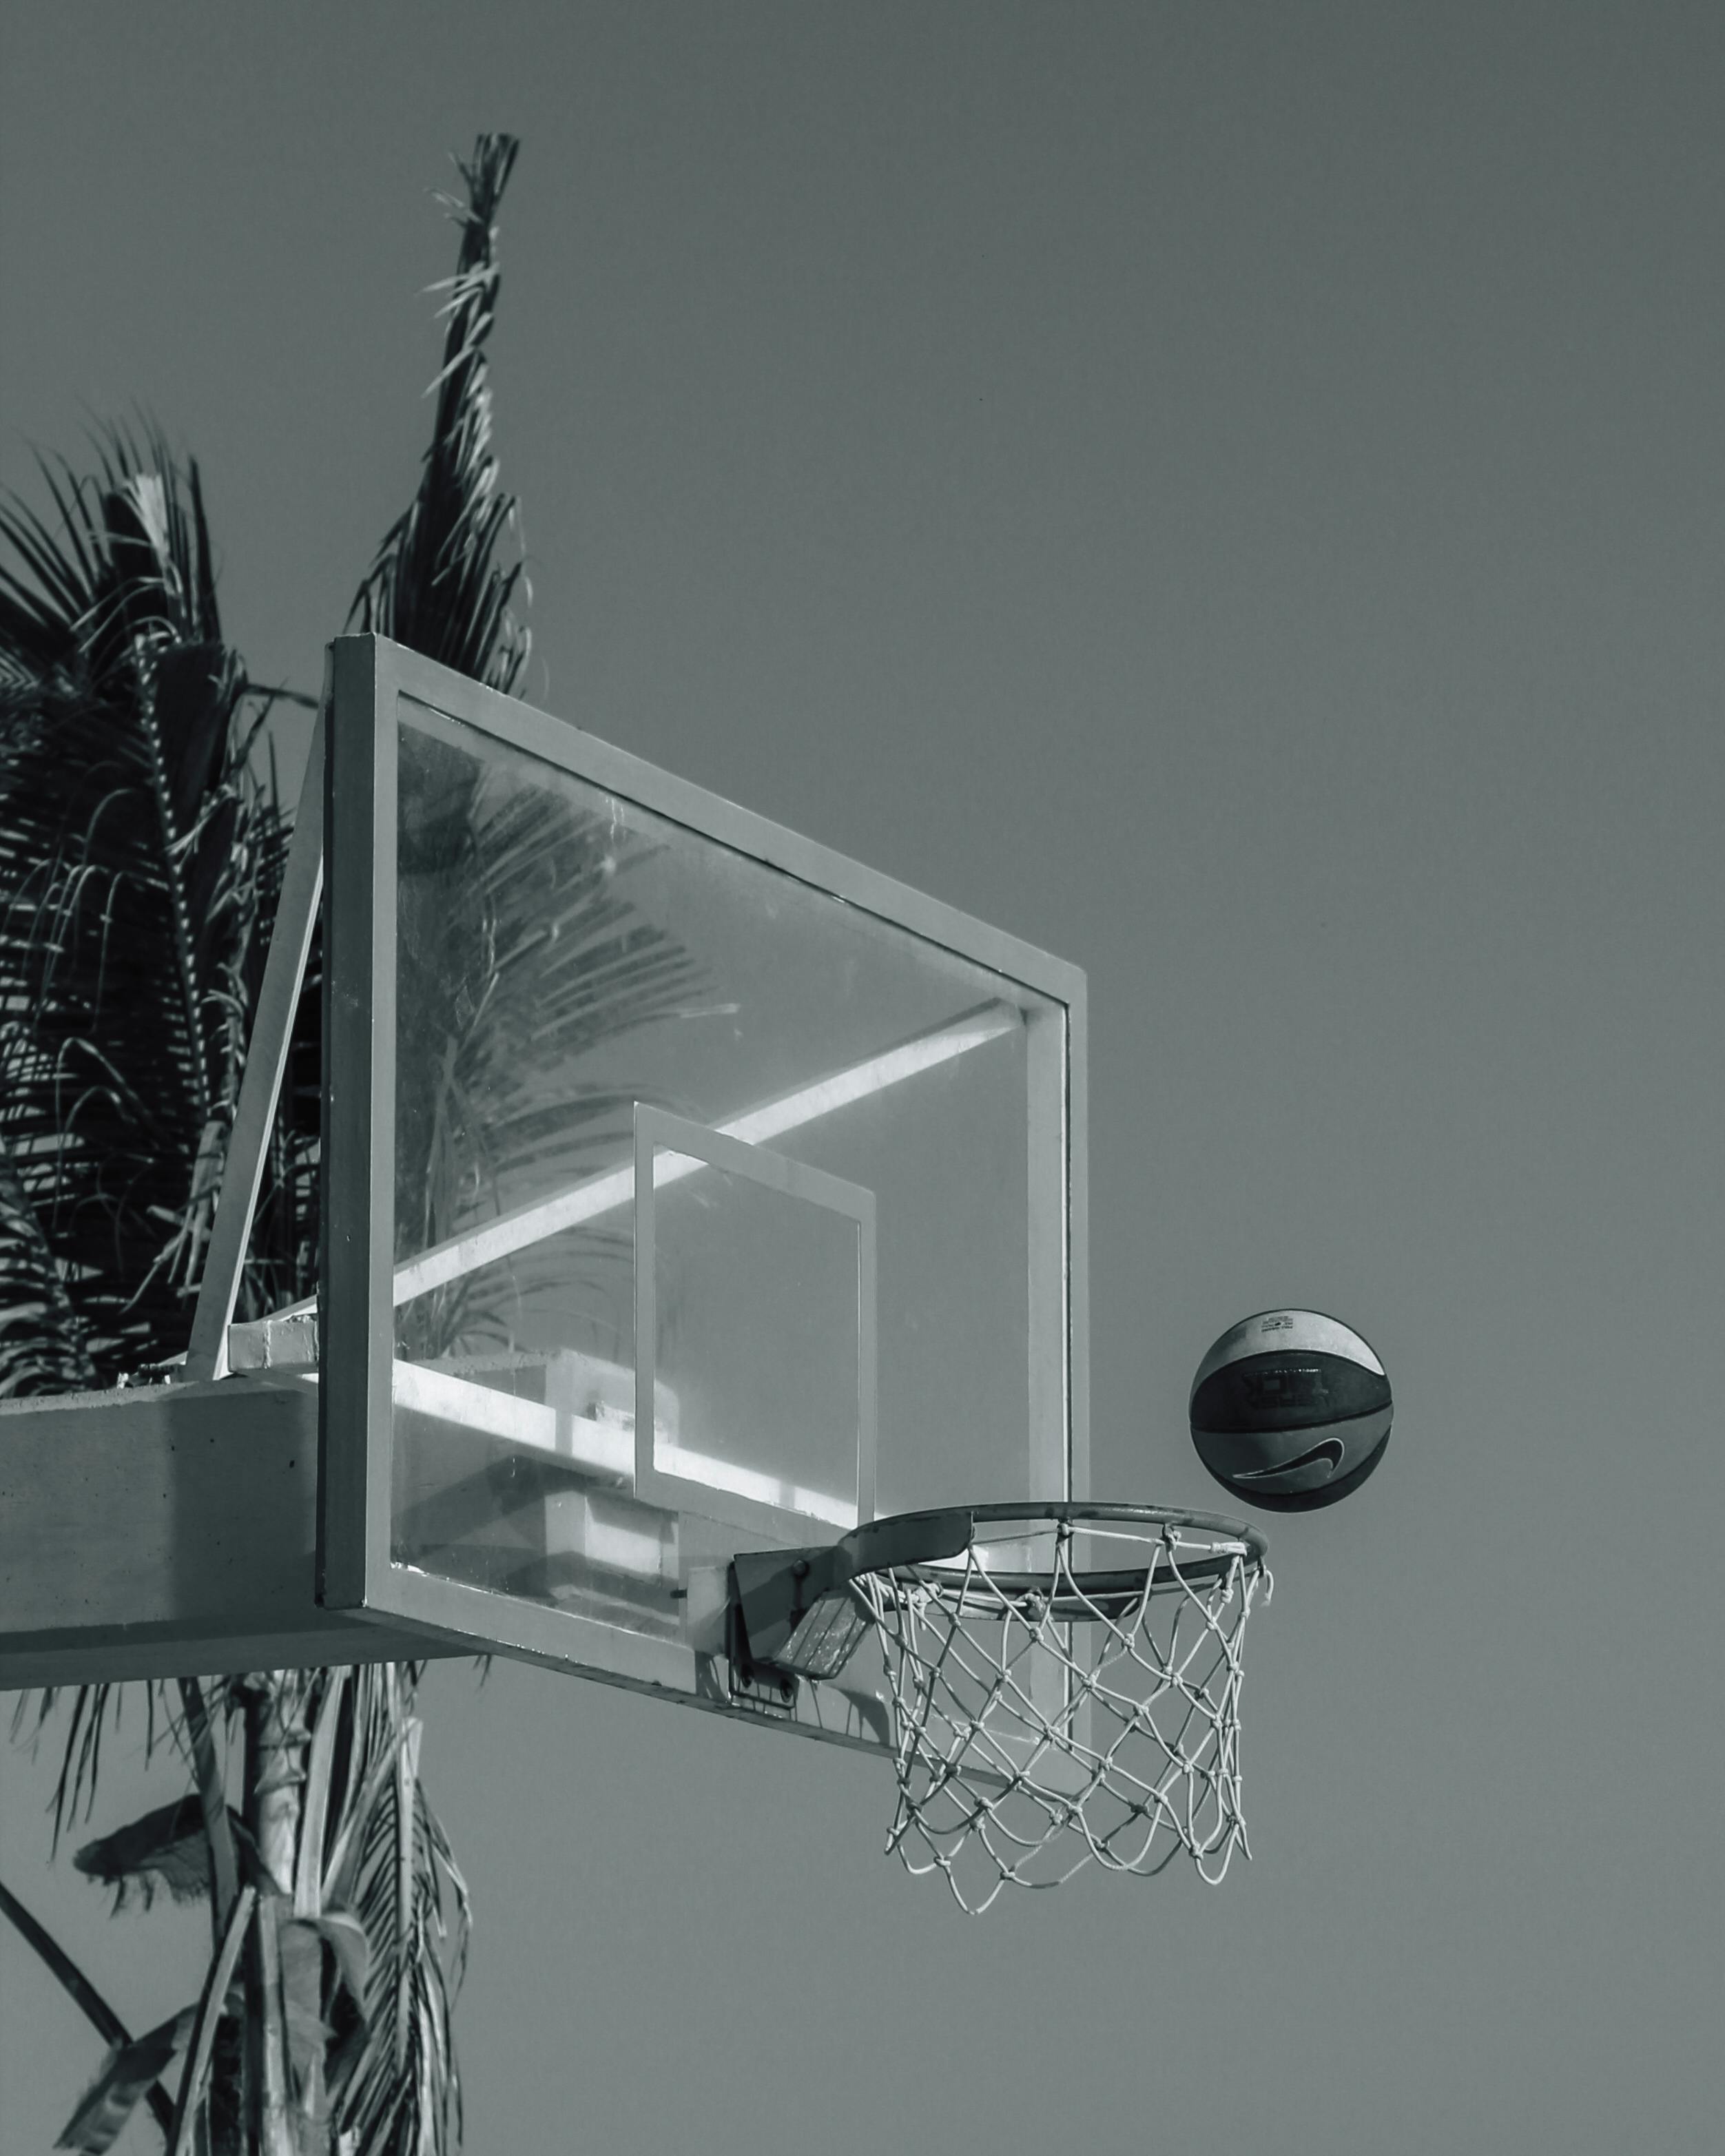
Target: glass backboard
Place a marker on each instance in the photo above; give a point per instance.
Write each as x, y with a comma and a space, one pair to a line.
689, 1189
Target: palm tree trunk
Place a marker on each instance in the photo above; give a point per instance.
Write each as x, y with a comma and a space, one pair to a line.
275, 1735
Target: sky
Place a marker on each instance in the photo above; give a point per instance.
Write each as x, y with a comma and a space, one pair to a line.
1230, 493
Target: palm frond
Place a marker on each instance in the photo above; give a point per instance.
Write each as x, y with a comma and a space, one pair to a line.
394, 1918
437, 584
138, 856
44, 1344
209, 1786
87, 1709
196, 2097
129, 2072
168, 1848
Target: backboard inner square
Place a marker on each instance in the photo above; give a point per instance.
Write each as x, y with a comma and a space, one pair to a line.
754, 1334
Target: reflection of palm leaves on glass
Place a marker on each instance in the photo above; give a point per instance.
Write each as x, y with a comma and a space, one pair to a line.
517, 952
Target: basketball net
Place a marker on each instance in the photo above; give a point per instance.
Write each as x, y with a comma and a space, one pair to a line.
1044, 1723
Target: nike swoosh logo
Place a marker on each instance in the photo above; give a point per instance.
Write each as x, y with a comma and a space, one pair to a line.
1330, 1450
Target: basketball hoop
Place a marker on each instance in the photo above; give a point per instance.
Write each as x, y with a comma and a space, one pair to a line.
1066, 1691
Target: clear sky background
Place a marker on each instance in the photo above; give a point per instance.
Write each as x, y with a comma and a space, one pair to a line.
1231, 494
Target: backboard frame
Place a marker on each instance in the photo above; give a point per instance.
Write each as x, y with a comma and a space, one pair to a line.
368, 677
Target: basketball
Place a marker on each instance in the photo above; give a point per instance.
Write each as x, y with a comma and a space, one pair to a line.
1291, 1410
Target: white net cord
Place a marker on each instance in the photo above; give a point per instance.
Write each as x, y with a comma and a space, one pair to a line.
1042, 1726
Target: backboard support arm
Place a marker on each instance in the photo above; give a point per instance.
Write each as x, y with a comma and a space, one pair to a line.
260, 1084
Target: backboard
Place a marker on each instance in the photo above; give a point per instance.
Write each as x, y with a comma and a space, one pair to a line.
689, 1188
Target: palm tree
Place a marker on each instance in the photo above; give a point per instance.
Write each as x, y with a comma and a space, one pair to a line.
142, 845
